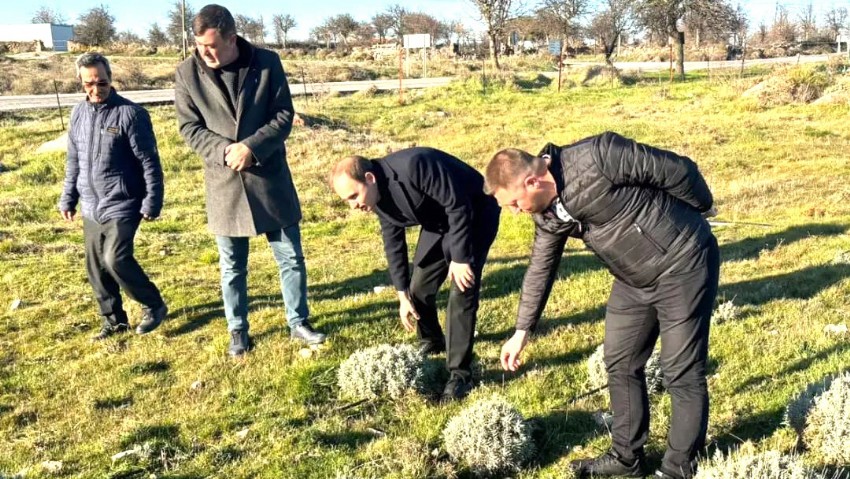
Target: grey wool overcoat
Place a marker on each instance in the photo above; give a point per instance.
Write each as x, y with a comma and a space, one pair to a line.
260, 198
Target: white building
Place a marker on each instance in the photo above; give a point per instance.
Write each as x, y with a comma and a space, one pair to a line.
843, 40
53, 36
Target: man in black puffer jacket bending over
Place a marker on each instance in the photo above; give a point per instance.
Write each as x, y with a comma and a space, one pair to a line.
640, 209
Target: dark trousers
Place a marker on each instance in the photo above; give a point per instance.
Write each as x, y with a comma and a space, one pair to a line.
462, 311
678, 308
111, 267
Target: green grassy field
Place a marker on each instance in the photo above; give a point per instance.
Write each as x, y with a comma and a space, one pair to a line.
195, 413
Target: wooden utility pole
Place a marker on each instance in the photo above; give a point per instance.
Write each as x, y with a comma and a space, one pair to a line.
183, 21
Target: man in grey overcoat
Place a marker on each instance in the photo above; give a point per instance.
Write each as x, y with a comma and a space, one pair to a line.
234, 109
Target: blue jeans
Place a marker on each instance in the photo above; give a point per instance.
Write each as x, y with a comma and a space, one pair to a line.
233, 261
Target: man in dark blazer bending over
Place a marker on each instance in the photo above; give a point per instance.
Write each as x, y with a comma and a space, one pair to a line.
640, 209
443, 195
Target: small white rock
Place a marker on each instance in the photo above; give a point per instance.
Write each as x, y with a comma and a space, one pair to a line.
16, 304
242, 434
835, 329
379, 289
52, 467
197, 385
305, 352
129, 452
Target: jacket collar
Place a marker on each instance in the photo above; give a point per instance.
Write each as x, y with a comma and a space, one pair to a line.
112, 100
393, 190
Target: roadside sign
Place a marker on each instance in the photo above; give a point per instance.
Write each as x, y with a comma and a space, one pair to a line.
419, 40
555, 47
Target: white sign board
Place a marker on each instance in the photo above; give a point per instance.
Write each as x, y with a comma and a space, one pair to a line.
420, 40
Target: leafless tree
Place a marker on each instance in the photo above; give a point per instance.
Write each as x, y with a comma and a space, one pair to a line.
836, 19
664, 17
565, 16
383, 23
495, 14
398, 14
343, 26
282, 24
808, 21
616, 18
45, 14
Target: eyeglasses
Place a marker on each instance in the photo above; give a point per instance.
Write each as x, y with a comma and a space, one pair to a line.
100, 83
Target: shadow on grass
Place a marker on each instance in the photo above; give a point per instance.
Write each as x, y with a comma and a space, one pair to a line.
750, 248
150, 367
166, 433
113, 403
752, 427
801, 284
348, 439
556, 432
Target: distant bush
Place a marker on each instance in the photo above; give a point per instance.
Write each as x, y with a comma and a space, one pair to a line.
489, 436
382, 370
748, 464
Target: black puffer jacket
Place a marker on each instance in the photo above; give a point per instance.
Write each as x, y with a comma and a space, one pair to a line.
637, 207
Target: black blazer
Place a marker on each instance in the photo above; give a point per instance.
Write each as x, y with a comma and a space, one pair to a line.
445, 196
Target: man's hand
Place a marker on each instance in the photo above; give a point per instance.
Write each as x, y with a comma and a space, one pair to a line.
68, 215
407, 311
711, 213
147, 217
238, 156
512, 349
462, 275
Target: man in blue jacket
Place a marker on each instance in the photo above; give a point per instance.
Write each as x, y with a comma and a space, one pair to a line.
443, 195
640, 209
113, 170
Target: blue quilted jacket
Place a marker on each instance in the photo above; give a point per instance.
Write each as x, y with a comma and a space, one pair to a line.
113, 166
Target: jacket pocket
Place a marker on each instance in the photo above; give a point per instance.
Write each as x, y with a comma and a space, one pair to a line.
650, 239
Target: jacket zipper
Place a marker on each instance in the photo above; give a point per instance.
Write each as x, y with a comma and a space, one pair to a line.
91, 163
660, 248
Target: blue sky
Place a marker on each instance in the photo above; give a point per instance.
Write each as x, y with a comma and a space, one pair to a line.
138, 15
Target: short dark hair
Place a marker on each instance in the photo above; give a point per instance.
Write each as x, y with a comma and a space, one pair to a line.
214, 16
355, 167
93, 59
508, 165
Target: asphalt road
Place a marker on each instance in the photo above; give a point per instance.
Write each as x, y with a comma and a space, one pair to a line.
24, 102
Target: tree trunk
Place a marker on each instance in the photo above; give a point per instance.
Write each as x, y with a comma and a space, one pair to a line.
494, 50
680, 61
284, 40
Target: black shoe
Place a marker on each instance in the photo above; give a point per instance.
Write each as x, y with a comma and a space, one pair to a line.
240, 343
608, 464
306, 333
456, 389
109, 330
112, 324
431, 348
151, 319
